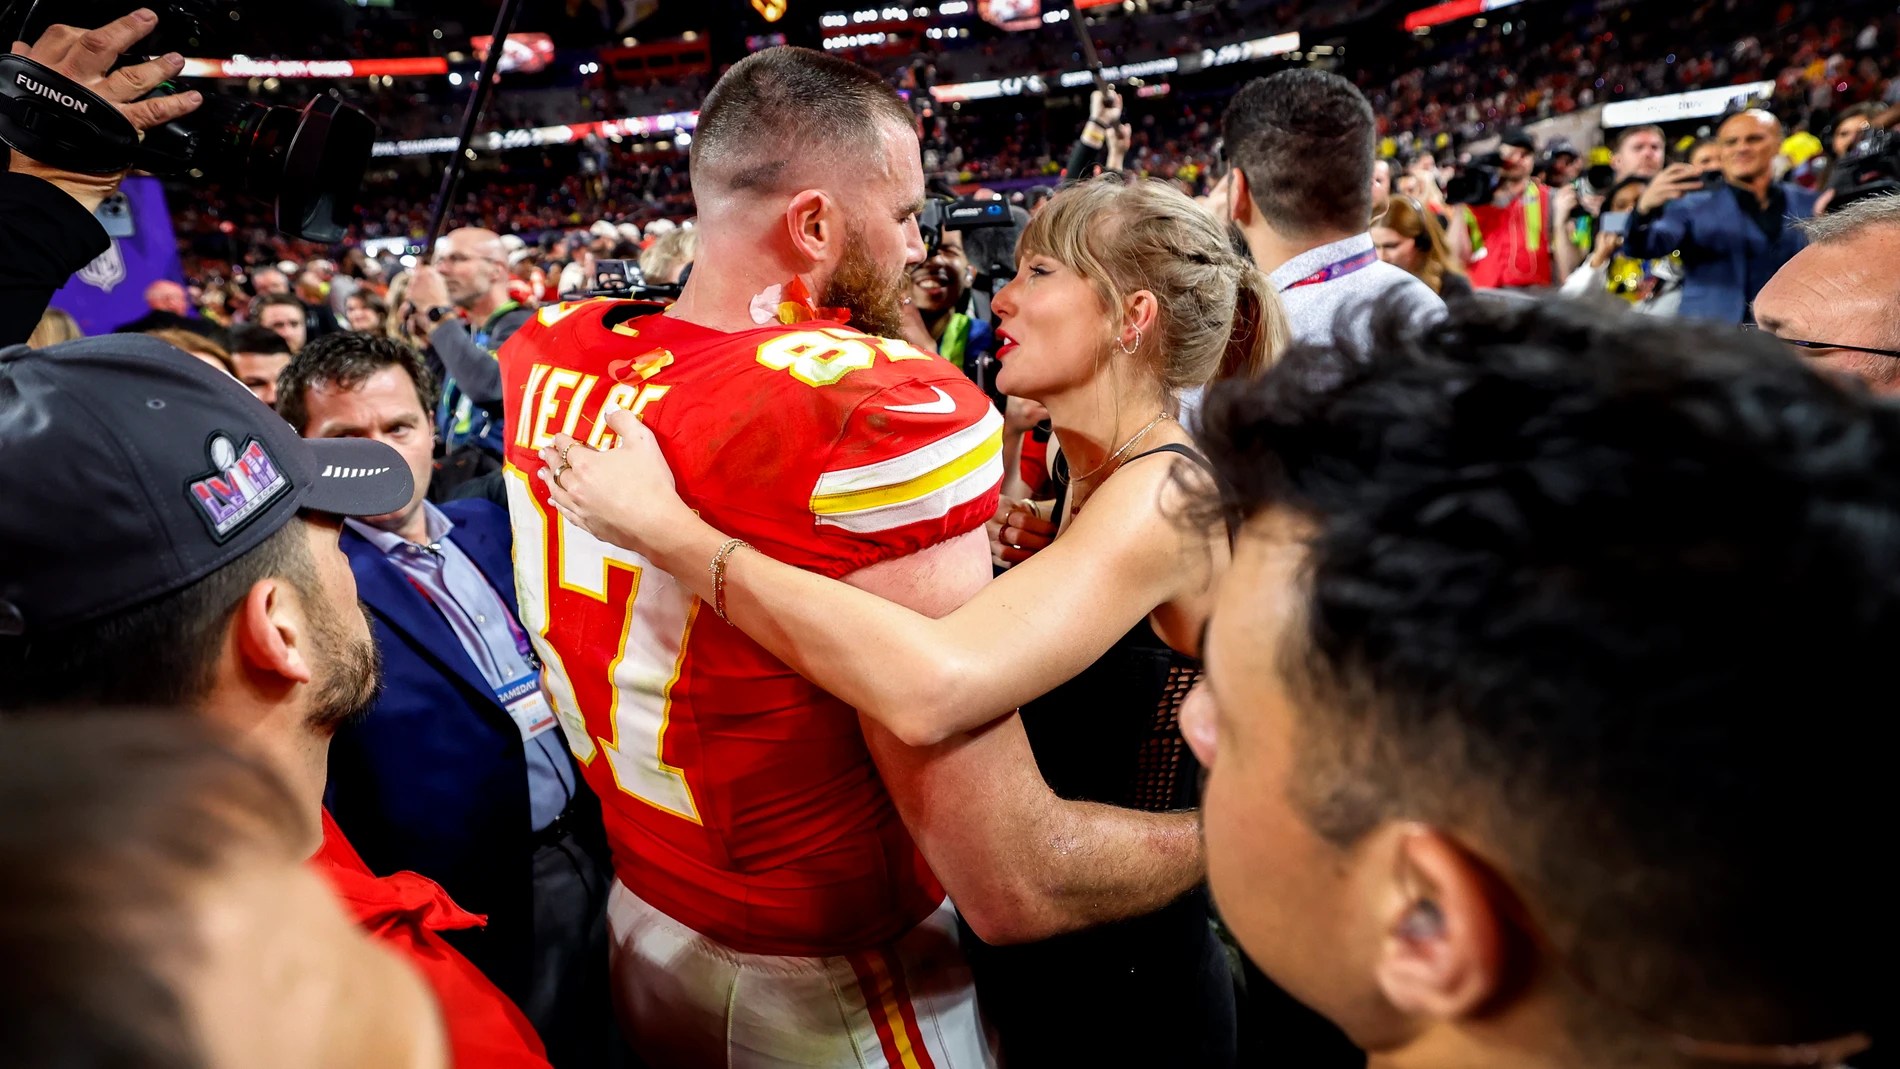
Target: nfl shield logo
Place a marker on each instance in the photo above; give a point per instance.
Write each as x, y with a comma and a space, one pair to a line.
106, 271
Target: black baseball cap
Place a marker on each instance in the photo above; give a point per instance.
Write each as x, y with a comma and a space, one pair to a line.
1519, 138
133, 469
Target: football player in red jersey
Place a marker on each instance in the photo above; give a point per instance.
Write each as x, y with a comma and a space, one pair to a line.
772, 907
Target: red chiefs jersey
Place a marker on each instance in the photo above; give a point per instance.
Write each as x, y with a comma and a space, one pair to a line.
739, 798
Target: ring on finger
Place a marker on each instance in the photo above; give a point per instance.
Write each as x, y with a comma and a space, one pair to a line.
565, 450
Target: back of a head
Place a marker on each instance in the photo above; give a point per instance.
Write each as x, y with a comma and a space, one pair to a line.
1216, 318
1305, 140
111, 826
788, 117
1611, 601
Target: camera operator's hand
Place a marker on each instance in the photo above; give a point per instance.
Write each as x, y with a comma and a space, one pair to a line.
426, 291
1563, 201
86, 56
1120, 138
1669, 184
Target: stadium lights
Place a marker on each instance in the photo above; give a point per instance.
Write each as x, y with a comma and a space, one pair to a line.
455, 79
954, 7
1055, 16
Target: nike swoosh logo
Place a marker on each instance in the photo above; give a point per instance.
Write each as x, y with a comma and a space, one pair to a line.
942, 406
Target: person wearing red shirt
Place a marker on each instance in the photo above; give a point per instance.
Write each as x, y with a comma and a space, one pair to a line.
187, 555
1523, 228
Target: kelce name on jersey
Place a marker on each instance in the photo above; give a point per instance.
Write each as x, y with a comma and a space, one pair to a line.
555, 399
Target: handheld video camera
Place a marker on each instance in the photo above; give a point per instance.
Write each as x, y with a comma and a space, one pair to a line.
1477, 181
1870, 168
305, 164
964, 213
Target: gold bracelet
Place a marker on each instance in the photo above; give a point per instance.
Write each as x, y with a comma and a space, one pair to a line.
719, 574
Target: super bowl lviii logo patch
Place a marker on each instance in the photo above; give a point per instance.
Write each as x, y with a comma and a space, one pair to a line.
240, 484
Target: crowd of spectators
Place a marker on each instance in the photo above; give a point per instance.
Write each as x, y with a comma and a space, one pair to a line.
1445, 649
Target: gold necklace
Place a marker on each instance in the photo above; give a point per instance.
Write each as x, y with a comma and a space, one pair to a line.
1117, 454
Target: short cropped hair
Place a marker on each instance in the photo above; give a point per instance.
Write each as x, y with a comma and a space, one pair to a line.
1304, 139
345, 359
1617, 599
288, 300
112, 824
158, 652
1623, 136
253, 339
1857, 220
775, 105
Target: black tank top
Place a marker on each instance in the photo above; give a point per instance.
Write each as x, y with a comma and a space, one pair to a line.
1154, 990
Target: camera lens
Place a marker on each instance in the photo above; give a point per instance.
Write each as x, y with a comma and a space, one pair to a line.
307, 165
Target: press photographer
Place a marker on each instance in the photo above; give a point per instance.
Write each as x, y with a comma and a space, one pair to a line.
76, 123
47, 226
1521, 222
943, 287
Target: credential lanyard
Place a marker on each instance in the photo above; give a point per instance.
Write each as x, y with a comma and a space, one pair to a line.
1337, 269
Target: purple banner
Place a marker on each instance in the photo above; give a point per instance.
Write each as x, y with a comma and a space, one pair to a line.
111, 289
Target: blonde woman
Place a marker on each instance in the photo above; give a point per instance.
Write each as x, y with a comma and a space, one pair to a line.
1128, 294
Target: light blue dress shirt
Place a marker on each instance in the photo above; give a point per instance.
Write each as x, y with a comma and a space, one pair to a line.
480, 618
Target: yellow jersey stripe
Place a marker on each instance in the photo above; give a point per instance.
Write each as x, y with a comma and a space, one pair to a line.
893, 1015
918, 462
837, 504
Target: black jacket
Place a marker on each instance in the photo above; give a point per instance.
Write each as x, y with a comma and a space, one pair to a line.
45, 236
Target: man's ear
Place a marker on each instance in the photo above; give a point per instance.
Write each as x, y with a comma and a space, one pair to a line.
1443, 953
273, 638
1240, 205
814, 226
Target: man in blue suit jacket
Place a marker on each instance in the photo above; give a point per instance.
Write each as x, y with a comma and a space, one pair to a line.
1733, 236
458, 771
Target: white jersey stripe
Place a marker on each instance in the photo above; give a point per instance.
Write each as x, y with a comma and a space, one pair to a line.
902, 469
931, 506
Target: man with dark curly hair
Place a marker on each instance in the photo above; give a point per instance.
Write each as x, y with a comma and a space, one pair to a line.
1541, 694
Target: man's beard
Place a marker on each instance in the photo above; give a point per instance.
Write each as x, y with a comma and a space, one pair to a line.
351, 672
874, 298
